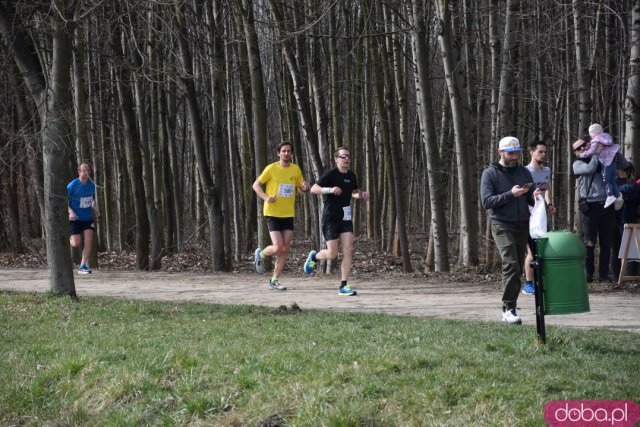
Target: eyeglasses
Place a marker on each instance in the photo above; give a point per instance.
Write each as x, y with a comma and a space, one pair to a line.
345, 156
581, 146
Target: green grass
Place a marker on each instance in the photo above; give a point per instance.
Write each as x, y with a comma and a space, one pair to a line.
115, 362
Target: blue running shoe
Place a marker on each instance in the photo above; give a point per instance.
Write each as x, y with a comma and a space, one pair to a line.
310, 264
528, 289
83, 269
346, 291
258, 261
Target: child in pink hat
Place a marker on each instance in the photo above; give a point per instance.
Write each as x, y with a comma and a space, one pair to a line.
606, 158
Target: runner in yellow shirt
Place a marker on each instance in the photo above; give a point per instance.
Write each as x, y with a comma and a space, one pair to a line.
281, 180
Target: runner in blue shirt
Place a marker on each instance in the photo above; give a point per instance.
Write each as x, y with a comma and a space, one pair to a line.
82, 195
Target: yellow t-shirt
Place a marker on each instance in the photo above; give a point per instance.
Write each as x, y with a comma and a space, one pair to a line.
281, 182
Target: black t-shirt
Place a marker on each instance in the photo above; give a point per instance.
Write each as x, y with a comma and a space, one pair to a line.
334, 205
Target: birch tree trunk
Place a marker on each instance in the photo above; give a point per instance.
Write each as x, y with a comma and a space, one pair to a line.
398, 181
506, 120
258, 109
435, 180
632, 98
467, 195
583, 74
300, 91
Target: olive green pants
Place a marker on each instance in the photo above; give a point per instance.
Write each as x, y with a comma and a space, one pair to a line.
512, 245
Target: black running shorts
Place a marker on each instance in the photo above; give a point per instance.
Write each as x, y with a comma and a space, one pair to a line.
333, 229
279, 224
77, 227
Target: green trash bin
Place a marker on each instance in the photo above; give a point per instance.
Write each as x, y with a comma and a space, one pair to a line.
564, 279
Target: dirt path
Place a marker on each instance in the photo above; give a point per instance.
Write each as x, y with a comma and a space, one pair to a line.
415, 297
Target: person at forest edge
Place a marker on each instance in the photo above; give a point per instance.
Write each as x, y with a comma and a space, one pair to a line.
506, 190
82, 208
281, 180
603, 143
542, 180
338, 186
598, 222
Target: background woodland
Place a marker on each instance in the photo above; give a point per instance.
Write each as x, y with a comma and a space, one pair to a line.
179, 105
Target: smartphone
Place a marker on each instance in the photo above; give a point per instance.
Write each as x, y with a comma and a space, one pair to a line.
527, 185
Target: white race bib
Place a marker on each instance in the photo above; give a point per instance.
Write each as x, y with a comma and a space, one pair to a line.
86, 202
286, 190
347, 213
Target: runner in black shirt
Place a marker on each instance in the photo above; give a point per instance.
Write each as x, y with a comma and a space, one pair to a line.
338, 186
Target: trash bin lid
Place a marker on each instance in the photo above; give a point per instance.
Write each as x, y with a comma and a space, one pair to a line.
561, 245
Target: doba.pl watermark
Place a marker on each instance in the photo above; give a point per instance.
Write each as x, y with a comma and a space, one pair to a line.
587, 413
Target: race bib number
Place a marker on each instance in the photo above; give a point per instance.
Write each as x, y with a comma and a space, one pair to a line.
86, 202
346, 213
286, 190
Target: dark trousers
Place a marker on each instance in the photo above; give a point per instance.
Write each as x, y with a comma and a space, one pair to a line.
512, 245
598, 224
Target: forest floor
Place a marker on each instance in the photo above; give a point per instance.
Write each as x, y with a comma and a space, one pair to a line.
468, 294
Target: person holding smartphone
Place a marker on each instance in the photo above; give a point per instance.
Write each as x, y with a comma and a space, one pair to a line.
506, 191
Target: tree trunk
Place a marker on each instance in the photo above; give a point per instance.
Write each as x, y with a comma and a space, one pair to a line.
438, 228
467, 194
134, 160
396, 164
55, 109
582, 73
211, 193
221, 228
300, 91
258, 109
506, 120
632, 98
83, 155
10, 195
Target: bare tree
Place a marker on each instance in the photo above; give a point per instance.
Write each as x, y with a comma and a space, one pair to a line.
53, 100
462, 134
632, 98
429, 140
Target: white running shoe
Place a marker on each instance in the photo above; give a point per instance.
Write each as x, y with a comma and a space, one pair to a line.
258, 262
511, 318
275, 285
610, 200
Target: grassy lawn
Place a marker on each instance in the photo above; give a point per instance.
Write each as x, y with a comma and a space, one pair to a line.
115, 362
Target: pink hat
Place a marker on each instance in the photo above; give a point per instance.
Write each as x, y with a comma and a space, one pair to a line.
595, 129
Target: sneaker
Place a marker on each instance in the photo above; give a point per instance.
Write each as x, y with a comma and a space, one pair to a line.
617, 205
310, 264
83, 269
510, 317
258, 261
275, 285
346, 291
610, 200
528, 289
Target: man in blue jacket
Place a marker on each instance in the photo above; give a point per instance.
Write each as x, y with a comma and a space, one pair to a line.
82, 195
506, 190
